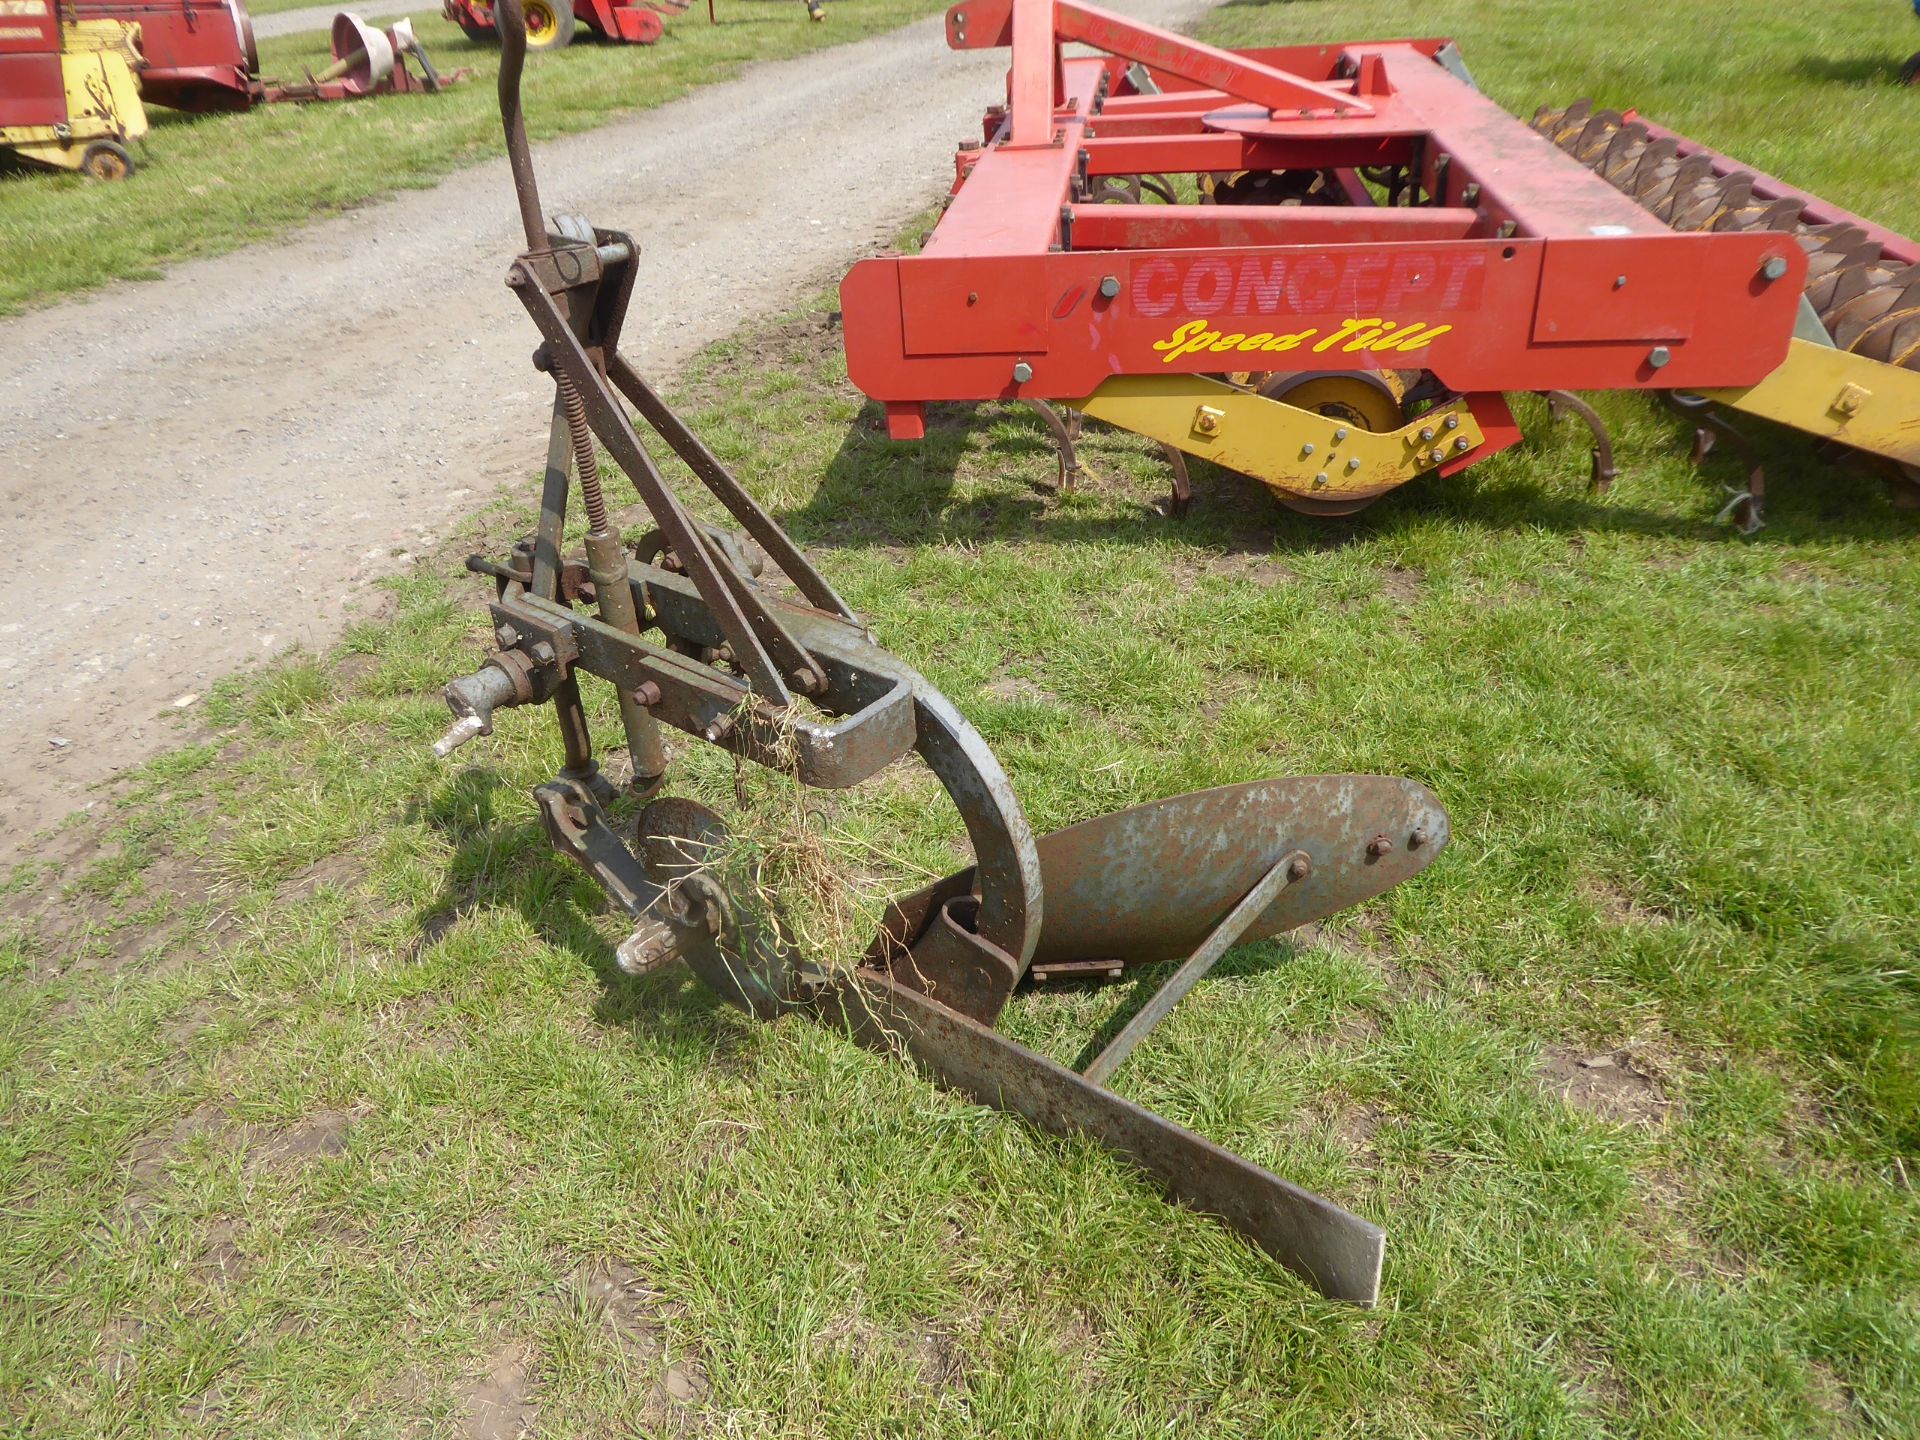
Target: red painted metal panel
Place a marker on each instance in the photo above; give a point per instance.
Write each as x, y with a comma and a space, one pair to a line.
1621, 289
1463, 308
1522, 174
27, 27
1179, 227
1010, 202
31, 89
945, 311
1033, 85
199, 54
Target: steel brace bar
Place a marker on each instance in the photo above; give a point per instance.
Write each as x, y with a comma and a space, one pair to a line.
1289, 868
760, 526
766, 653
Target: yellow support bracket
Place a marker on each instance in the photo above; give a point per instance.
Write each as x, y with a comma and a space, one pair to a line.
1288, 449
1840, 396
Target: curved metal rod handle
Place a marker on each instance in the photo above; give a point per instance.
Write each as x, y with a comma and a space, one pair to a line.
511, 21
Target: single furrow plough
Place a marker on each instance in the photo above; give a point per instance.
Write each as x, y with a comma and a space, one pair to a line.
691, 639
1326, 266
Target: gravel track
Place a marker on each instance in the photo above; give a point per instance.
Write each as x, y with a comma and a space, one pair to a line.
204, 470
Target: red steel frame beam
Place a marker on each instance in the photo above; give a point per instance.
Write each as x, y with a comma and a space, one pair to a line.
1527, 272
1030, 25
1185, 227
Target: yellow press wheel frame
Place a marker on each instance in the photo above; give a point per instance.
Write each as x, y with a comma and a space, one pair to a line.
1325, 443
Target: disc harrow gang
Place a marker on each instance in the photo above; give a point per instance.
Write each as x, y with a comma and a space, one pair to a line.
1225, 250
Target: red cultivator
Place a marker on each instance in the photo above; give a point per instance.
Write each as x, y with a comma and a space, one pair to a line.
1326, 266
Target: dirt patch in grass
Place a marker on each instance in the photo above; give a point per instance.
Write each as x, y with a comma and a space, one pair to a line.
1401, 584
332, 872
1591, 1372
793, 345
1013, 687
318, 1135
935, 1354
1833, 1396
1609, 1085
500, 1405
117, 1350
1618, 906
221, 1259
1256, 565
152, 1154
612, 1294
189, 1022
353, 668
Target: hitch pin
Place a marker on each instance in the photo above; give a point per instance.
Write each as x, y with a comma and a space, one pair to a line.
458, 733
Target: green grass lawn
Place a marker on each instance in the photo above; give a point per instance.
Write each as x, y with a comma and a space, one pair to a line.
327, 1112
209, 184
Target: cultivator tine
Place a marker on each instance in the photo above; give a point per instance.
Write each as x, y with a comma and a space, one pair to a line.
1071, 470
1602, 472
1180, 491
1745, 510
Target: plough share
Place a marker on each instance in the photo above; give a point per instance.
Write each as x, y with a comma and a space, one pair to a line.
692, 640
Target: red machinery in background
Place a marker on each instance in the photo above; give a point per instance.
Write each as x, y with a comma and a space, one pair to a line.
1324, 265
201, 56
551, 23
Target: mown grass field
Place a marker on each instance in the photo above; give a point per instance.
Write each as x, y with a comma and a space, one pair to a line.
326, 1111
211, 183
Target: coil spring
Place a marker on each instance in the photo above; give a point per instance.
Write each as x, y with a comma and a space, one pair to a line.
585, 459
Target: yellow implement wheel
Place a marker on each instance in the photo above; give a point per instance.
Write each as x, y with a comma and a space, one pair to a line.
549, 24
1366, 400
105, 160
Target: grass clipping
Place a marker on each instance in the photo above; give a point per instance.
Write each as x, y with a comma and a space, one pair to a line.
789, 863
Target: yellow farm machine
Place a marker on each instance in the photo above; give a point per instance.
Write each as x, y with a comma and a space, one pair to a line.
69, 89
